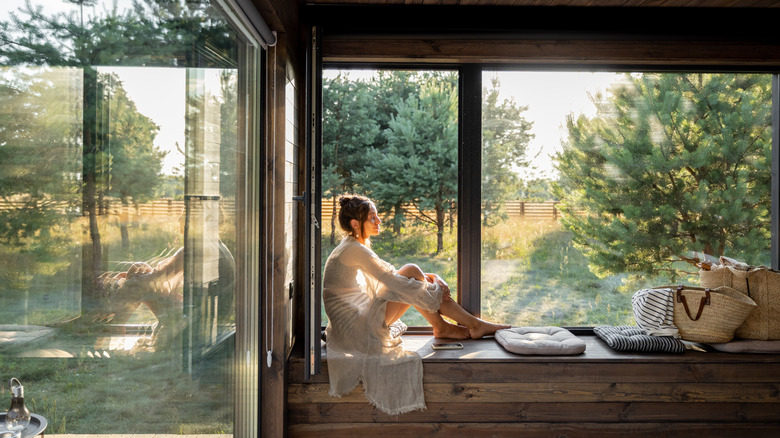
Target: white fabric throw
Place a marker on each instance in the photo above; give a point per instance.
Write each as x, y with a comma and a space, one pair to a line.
654, 311
357, 285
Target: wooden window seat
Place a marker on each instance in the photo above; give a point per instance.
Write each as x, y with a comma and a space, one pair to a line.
484, 391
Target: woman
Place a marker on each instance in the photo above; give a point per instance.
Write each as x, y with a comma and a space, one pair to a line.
364, 298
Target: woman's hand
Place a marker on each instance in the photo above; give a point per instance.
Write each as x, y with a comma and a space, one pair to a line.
434, 278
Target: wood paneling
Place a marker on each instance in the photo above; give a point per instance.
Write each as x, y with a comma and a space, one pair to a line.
530, 430
483, 390
550, 52
275, 292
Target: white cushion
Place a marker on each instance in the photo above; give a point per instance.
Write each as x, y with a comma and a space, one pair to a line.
540, 340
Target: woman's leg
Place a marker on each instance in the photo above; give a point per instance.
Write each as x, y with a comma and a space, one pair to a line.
441, 328
477, 327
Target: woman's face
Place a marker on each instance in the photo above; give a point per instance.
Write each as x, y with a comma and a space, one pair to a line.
371, 225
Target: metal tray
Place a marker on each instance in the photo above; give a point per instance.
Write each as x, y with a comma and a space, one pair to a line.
35, 428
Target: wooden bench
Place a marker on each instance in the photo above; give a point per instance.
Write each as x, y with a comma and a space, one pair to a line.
484, 391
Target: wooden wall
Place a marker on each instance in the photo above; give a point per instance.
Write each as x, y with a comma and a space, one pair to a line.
607, 394
599, 394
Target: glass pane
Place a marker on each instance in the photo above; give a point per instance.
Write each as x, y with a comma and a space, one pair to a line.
596, 185
119, 152
392, 135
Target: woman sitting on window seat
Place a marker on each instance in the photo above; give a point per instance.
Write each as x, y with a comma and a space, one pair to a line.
363, 296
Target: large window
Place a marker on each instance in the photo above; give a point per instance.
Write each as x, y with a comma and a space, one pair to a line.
595, 185
123, 145
392, 135
591, 185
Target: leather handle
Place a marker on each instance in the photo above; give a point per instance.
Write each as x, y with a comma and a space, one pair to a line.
704, 301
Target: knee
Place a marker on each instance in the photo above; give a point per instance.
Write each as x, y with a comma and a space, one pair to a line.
412, 271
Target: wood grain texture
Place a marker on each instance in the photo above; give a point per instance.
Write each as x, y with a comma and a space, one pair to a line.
317, 413
550, 392
482, 390
549, 51
526, 430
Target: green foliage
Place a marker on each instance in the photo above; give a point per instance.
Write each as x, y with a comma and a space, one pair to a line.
419, 163
135, 163
162, 33
394, 138
505, 138
347, 130
671, 164
39, 153
150, 33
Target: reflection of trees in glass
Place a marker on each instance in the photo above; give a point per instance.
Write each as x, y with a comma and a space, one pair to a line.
228, 132
671, 164
40, 132
39, 151
134, 162
151, 33
505, 137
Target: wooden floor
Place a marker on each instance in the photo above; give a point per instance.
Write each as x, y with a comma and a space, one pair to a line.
483, 390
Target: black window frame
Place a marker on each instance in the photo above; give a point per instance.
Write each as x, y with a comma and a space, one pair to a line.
470, 162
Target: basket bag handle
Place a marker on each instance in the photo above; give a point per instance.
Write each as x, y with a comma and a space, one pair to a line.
704, 301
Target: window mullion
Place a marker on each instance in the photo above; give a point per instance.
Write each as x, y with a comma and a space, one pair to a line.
469, 192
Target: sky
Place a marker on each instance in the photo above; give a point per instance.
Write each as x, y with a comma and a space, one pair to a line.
159, 93
549, 96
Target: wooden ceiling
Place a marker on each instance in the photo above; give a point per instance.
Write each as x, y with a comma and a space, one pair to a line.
674, 33
574, 3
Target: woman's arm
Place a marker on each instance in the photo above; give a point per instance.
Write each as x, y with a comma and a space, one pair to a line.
396, 287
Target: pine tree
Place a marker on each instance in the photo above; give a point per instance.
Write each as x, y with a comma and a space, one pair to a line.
347, 132
419, 165
671, 164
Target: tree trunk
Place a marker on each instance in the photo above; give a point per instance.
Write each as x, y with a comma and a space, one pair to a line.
439, 229
92, 252
123, 220
397, 213
452, 218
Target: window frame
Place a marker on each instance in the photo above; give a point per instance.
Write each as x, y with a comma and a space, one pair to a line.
470, 162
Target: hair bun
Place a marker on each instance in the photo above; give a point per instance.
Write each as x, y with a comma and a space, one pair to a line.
345, 200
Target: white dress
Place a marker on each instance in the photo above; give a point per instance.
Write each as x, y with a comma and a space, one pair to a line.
357, 285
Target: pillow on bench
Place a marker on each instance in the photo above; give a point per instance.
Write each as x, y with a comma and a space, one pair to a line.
630, 338
540, 340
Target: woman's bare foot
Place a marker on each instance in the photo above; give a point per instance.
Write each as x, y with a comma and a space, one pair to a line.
451, 331
484, 328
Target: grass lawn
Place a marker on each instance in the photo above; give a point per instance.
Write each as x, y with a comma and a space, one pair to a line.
99, 389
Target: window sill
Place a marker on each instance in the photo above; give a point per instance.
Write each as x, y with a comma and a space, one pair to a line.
488, 350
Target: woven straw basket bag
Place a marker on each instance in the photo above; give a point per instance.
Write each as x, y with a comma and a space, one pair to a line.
709, 315
762, 285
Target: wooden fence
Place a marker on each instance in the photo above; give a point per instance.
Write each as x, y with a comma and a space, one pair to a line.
528, 210
160, 207
169, 207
